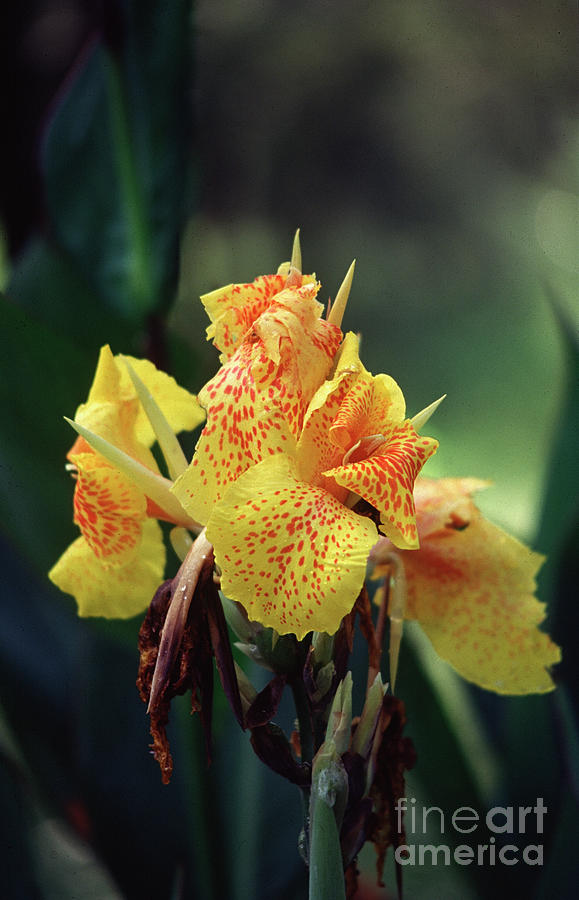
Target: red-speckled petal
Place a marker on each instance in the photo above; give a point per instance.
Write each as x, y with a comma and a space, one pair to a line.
298, 345
350, 422
316, 452
386, 481
290, 553
471, 587
372, 405
256, 404
116, 592
242, 428
234, 309
108, 509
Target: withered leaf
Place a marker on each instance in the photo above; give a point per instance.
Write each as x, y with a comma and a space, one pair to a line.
396, 754
272, 747
190, 669
265, 705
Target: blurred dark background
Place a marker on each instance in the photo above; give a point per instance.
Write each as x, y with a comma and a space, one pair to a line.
152, 152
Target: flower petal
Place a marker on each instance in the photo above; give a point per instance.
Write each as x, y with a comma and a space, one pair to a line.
386, 481
120, 592
241, 429
290, 553
257, 401
113, 410
372, 405
471, 587
302, 344
108, 509
315, 451
150, 483
234, 308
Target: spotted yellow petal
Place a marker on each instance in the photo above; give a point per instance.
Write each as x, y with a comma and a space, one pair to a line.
471, 586
112, 412
113, 592
372, 405
351, 405
303, 345
316, 452
234, 308
290, 553
257, 401
386, 480
152, 485
242, 427
346, 363
108, 509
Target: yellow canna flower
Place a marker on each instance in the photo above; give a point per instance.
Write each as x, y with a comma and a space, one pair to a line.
297, 434
471, 587
116, 565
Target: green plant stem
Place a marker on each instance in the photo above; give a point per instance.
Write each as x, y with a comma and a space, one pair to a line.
326, 869
204, 843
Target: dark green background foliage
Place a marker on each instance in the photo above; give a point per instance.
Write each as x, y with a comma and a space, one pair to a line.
434, 142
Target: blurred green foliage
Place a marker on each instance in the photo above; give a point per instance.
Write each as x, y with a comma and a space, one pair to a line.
436, 145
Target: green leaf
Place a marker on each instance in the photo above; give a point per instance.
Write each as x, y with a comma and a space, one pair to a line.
48, 284
44, 376
114, 157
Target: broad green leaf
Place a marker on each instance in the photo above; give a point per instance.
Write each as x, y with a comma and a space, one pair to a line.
43, 376
115, 157
49, 285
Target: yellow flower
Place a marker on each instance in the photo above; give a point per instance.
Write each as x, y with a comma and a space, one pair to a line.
116, 565
297, 434
471, 587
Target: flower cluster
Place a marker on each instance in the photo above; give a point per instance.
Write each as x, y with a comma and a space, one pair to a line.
305, 469
305, 478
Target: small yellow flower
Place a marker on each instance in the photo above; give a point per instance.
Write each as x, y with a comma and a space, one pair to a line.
116, 565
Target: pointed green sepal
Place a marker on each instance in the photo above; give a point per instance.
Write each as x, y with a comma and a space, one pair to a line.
170, 446
296, 260
339, 305
420, 419
340, 719
364, 733
152, 485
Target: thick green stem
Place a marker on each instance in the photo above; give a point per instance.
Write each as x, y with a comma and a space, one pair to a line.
203, 831
326, 869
